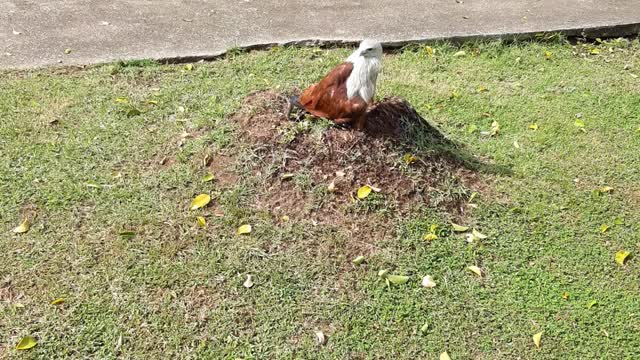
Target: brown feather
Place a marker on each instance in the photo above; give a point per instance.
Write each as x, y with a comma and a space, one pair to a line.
328, 98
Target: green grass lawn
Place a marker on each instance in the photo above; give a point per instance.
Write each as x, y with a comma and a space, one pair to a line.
78, 159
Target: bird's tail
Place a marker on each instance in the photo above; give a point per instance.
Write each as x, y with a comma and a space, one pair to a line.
295, 101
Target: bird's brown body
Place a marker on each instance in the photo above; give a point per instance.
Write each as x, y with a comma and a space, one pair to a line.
345, 94
328, 99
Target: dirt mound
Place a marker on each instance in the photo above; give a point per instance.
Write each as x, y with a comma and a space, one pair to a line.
312, 169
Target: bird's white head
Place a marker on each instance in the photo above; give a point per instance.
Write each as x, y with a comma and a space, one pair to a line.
368, 49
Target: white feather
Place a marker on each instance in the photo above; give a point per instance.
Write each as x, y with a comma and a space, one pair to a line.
366, 66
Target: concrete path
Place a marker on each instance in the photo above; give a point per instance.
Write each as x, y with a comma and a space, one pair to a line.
36, 33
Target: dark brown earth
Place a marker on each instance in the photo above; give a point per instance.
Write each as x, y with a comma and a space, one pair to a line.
312, 170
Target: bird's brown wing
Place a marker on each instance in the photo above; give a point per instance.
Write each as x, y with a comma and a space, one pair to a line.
328, 98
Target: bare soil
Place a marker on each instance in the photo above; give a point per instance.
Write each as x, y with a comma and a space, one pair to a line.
400, 153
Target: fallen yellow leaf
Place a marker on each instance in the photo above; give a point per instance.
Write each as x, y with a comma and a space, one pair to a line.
459, 228
495, 128
533, 126
444, 356
429, 237
476, 270
200, 201
621, 256
429, 50
409, 159
57, 301
208, 178
478, 234
604, 228
364, 191
397, 279
201, 221
244, 229
565, 295
358, 260
26, 343
536, 339
606, 189
460, 54
23, 227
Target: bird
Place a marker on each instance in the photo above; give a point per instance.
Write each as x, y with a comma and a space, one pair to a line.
346, 93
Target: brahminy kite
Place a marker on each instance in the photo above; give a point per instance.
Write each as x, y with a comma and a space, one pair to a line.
345, 94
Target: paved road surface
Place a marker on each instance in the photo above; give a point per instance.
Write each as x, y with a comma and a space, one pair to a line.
36, 33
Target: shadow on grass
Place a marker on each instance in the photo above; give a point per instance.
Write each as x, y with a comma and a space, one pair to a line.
396, 121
